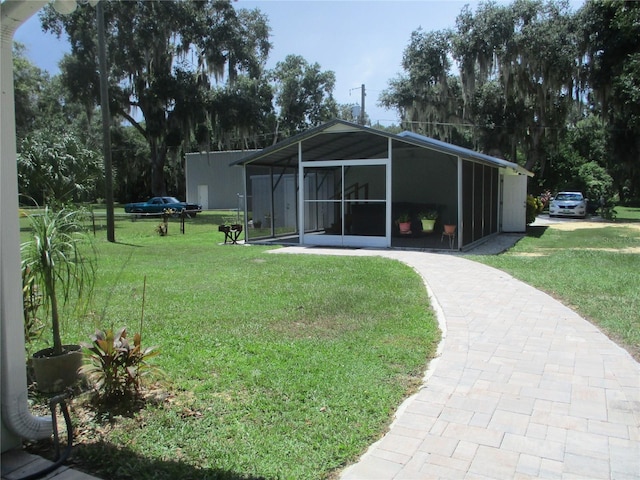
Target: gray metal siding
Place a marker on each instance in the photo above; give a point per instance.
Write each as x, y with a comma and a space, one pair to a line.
212, 169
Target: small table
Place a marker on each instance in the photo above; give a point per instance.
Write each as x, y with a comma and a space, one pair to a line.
231, 232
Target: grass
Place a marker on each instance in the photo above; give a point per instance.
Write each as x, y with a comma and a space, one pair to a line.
595, 271
289, 367
627, 214
277, 366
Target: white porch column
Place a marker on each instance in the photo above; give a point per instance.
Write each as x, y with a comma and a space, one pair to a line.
389, 193
459, 223
301, 204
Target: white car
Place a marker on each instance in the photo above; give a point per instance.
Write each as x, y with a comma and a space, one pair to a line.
570, 204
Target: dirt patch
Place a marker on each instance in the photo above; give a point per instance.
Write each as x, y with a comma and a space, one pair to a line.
547, 251
632, 250
569, 226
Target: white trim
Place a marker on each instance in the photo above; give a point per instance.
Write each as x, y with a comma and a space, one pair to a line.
322, 239
344, 240
348, 163
301, 207
459, 223
389, 199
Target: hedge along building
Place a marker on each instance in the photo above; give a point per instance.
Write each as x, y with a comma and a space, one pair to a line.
342, 184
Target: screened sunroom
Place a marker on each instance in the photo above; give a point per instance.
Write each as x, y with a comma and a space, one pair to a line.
350, 186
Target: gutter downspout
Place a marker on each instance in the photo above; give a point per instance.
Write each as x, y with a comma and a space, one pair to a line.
17, 421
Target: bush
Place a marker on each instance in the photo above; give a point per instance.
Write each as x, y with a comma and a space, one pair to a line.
534, 208
115, 365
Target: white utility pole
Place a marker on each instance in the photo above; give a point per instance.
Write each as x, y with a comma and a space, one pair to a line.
362, 117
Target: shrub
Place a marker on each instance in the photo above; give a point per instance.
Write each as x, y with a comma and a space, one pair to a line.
115, 365
534, 207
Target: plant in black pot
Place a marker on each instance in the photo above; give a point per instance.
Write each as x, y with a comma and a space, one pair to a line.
60, 261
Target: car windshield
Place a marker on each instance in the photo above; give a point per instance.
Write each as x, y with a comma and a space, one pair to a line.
171, 200
569, 196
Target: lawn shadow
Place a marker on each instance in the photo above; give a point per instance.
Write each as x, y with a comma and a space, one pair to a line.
106, 461
622, 219
536, 231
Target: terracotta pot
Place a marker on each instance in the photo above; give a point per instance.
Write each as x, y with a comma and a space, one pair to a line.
449, 229
55, 373
405, 227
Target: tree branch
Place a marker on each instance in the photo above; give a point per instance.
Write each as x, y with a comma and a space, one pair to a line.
133, 122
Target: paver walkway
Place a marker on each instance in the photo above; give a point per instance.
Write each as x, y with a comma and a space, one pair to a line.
523, 387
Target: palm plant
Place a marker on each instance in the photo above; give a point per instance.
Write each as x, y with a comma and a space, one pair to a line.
60, 260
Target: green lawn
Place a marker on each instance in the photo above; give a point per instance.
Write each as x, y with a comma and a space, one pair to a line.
627, 214
277, 366
596, 271
289, 367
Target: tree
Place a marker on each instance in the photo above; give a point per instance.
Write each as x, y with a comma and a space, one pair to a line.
29, 82
427, 97
581, 161
351, 113
57, 148
304, 94
57, 167
611, 46
242, 114
130, 158
529, 50
164, 57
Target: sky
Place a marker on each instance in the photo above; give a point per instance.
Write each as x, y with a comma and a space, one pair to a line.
362, 41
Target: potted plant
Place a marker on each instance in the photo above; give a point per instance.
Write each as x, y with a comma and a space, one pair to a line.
404, 223
60, 262
450, 228
428, 220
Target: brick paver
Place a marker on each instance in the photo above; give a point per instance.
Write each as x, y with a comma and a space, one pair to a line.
523, 386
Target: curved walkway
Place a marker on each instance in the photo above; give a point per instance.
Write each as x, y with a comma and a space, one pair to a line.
523, 387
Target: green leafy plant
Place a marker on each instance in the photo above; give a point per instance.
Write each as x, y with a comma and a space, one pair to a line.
60, 261
404, 218
163, 228
31, 302
117, 365
428, 215
534, 208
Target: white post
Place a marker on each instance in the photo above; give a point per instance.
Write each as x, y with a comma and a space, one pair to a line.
459, 223
301, 193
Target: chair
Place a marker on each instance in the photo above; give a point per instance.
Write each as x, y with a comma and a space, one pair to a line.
449, 232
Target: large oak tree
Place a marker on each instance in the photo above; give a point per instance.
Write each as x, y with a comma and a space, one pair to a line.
164, 57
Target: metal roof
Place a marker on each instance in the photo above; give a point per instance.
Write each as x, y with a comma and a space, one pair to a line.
352, 141
464, 152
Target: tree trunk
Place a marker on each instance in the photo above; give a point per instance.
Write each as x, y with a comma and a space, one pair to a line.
158, 156
55, 319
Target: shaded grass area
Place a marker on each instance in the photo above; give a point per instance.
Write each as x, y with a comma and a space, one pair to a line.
595, 271
277, 366
627, 214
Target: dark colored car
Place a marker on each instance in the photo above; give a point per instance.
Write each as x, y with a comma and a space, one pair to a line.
158, 205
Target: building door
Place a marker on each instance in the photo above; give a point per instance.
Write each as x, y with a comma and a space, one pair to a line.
203, 196
348, 201
514, 203
290, 202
